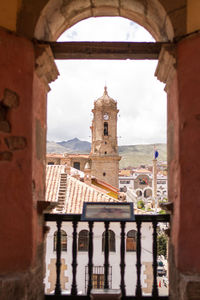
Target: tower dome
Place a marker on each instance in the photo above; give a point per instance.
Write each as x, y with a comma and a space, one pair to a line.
105, 99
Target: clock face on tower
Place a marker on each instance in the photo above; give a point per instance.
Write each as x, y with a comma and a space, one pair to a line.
106, 116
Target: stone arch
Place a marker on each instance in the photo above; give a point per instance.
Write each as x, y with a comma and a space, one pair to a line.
139, 192
147, 192
57, 16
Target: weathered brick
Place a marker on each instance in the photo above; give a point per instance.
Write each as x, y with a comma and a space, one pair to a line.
193, 290
6, 155
5, 126
10, 99
16, 142
3, 112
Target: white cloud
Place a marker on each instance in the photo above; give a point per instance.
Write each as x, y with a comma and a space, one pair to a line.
140, 96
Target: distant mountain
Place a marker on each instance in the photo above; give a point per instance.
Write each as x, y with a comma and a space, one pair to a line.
136, 155
53, 147
76, 146
132, 155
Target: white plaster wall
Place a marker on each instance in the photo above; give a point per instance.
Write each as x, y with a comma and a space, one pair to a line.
128, 185
98, 257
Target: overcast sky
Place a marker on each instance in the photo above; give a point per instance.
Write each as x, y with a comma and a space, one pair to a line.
140, 96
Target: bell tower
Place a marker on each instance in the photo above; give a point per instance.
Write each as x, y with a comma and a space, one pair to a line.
104, 150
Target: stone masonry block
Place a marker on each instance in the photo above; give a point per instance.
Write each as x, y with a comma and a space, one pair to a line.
16, 142
3, 112
10, 99
72, 8
6, 155
137, 6
5, 126
105, 11
112, 3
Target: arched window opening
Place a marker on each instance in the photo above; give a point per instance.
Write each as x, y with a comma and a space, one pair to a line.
131, 240
147, 193
63, 241
105, 130
76, 165
111, 241
83, 240
139, 193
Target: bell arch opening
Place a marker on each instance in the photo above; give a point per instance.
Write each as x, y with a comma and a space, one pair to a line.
80, 102
58, 16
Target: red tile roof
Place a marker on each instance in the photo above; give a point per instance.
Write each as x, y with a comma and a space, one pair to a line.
79, 192
53, 182
70, 199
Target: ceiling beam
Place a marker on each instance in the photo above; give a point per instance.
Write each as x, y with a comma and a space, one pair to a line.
106, 50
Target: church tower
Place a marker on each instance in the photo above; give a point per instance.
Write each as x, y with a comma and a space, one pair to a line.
104, 150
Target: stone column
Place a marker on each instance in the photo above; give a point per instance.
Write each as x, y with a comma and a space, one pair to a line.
154, 181
22, 168
183, 90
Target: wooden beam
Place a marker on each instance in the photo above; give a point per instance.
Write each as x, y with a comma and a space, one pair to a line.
105, 50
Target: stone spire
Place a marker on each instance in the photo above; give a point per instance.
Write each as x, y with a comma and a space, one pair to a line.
105, 91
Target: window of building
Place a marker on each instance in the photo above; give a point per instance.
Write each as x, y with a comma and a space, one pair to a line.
63, 241
105, 130
124, 181
105, 152
50, 163
83, 240
104, 173
111, 241
98, 277
76, 165
131, 240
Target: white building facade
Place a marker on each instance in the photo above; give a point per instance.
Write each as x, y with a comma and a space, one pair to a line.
98, 257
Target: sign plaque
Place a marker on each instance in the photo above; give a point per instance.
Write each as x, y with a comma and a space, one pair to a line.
108, 211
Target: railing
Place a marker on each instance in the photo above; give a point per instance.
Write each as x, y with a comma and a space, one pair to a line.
139, 220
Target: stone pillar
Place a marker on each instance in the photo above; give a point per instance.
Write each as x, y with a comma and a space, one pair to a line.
183, 90
22, 175
154, 179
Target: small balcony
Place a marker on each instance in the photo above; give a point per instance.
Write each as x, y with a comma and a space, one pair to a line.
128, 262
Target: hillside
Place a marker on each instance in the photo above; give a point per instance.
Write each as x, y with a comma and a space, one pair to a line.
76, 146
136, 155
132, 155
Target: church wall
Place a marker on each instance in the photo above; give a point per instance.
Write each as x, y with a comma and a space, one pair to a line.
21, 234
193, 21
17, 65
189, 90
54, 160
8, 14
82, 162
184, 165
109, 167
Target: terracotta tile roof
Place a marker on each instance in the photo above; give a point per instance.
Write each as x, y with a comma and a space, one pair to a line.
69, 155
53, 182
69, 192
79, 192
125, 172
